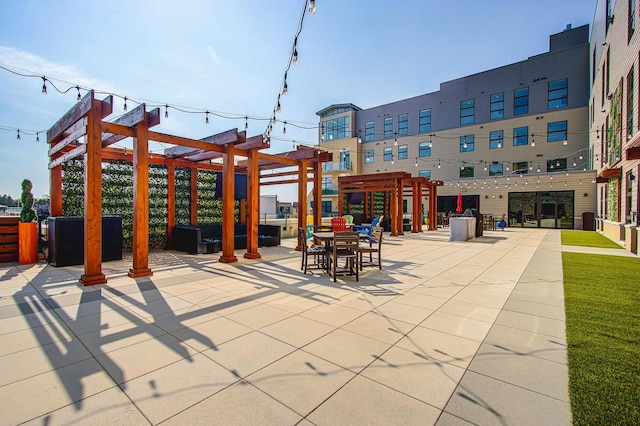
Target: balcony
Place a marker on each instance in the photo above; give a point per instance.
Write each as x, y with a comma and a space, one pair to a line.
330, 190
337, 166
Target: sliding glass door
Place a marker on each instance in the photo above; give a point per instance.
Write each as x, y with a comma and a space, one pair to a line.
542, 209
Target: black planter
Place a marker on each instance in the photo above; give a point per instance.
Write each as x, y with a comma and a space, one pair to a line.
66, 240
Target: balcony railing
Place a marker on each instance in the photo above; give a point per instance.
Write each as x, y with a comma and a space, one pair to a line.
330, 191
337, 166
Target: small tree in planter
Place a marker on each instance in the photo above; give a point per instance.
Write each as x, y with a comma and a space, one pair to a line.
28, 227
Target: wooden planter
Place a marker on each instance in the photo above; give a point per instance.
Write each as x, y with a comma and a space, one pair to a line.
27, 242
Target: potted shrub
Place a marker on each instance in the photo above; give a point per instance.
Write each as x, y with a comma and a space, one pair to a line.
28, 227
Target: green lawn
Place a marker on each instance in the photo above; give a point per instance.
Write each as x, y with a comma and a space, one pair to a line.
602, 301
587, 238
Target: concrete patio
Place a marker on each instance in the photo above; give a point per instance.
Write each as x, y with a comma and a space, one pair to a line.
447, 333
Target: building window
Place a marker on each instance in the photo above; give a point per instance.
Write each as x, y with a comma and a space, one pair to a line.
630, 88
425, 120
388, 154
369, 131
467, 112
326, 184
466, 171
521, 167
327, 167
403, 152
557, 131
467, 143
424, 173
326, 207
558, 94
388, 127
368, 156
403, 125
497, 106
337, 128
495, 170
496, 139
335, 111
559, 164
521, 101
520, 136
631, 25
424, 149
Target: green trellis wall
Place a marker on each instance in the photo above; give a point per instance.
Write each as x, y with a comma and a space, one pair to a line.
612, 200
117, 197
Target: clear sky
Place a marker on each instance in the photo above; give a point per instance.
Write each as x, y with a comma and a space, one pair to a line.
229, 56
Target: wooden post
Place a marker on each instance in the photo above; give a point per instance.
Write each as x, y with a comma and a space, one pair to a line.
228, 192
317, 193
55, 185
193, 207
340, 201
141, 202
302, 199
242, 216
253, 201
171, 204
433, 207
93, 199
393, 213
416, 198
399, 194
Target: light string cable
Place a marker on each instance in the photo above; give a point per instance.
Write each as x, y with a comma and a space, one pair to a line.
293, 59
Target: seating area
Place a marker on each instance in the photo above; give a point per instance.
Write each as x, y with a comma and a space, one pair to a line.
202, 239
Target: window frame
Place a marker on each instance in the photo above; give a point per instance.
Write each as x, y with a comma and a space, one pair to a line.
520, 107
403, 124
424, 173
470, 140
496, 105
387, 153
553, 167
518, 137
465, 174
496, 169
369, 156
493, 141
557, 135
424, 120
424, 150
403, 152
558, 91
369, 131
388, 127
467, 112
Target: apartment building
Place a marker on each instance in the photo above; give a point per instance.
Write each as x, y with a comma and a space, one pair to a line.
513, 140
614, 132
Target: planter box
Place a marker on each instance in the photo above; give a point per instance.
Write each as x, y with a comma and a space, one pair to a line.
9, 238
27, 242
66, 240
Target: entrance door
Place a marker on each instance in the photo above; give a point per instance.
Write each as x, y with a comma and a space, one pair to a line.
549, 209
530, 210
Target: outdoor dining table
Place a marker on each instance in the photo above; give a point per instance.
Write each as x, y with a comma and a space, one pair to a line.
327, 237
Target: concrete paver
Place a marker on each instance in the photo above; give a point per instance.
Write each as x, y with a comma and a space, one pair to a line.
447, 333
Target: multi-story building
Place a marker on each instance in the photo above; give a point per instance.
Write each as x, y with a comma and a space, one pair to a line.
513, 140
614, 130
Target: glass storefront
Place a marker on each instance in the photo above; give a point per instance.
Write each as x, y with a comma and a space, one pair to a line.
542, 209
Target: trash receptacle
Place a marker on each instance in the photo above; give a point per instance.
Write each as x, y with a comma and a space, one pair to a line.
588, 221
479, 220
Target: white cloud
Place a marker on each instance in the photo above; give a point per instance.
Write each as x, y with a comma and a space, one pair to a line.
213, 55
25, 63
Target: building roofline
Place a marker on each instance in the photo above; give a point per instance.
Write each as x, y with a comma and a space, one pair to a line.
334, 106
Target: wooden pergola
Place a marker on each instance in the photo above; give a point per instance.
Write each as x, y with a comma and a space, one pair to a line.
395, 186
82, 132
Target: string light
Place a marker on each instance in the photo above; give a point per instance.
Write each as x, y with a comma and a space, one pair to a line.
166, 111
44, 85
533, 141
125, 104
246, 123
564, 142
416, 162
312, 7
38, 137
79, 96
284, 128
18, 137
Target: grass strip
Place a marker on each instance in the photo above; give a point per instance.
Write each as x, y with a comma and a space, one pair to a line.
602, 302
587, 239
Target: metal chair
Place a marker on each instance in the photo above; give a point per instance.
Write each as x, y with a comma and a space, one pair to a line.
318, 252
375, 246
345, 245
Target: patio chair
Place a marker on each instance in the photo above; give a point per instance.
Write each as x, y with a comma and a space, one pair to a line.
318, 252
345, 245
348, 219
338, 224
375, 246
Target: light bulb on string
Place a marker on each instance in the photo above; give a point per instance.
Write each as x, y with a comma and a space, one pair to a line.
312, 7
580, 157
533, 141
166, 111
44, 85
395, 140
499, 143
206, 117
558, 163
79, 96
278, 108
295, 56
564, 142
439, 164
416, 162
246, 123
284, 128
574, 162
18, 137
430, 143
38, 137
